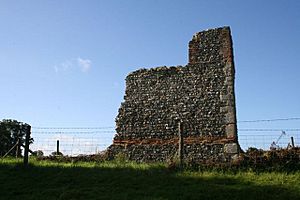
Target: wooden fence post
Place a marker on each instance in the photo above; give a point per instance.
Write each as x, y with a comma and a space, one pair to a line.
27, 140
180, 144
18, 148
19, 141
57, 147
293, 144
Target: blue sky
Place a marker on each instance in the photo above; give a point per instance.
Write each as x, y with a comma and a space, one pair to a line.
63, 63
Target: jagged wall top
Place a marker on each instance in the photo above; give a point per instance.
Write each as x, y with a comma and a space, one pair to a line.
213, 45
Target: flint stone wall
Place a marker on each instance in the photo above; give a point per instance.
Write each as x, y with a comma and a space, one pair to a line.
199, 95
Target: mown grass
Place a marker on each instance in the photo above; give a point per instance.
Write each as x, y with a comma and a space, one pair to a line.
124, 180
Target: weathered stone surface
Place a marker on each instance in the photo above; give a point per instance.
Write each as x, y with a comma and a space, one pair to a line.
200, 95
231, 131
231, 148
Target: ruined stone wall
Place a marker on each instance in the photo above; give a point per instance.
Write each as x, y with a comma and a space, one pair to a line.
199, 95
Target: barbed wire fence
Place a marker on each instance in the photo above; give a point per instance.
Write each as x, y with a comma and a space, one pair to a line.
74, 141
266, 138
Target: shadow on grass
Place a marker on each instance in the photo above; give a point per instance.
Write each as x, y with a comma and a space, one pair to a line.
55, 182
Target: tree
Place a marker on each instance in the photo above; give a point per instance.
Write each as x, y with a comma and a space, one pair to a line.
11, 133
5, 140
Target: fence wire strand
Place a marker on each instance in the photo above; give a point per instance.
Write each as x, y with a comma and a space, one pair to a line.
90, 140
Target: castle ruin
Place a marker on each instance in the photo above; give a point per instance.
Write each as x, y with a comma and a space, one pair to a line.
199, 96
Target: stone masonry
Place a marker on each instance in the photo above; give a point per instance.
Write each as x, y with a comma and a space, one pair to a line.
200, 96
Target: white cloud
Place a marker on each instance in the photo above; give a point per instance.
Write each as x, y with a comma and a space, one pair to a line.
64, 66
84, 64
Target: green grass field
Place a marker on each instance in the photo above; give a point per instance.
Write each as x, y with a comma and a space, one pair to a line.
116, 180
